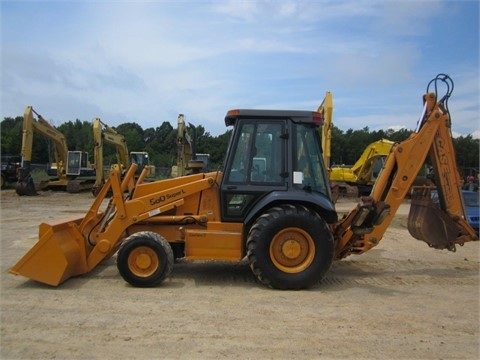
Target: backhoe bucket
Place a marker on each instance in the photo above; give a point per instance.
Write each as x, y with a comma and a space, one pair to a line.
427, 222
58, 255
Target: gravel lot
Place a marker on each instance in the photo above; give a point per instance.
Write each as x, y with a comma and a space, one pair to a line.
401, 300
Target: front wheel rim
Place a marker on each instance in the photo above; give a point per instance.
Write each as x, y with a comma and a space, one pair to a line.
143, 261
292, 250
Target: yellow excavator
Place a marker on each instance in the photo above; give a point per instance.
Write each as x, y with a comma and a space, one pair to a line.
366, 169
187, 162
279, 216
74, 171
102, 133
326, 109
142, 159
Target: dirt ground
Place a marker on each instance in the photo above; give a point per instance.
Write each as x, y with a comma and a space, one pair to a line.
401, 300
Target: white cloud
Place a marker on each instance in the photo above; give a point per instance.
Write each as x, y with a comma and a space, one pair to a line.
476, 134
149, 61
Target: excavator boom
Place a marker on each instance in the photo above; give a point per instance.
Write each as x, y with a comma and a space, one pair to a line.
103, 133
364, 172
326, 109
25, 184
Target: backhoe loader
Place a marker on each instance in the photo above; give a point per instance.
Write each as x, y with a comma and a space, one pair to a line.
73, 170
277, 213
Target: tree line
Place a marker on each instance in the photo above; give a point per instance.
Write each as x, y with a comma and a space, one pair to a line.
160, 143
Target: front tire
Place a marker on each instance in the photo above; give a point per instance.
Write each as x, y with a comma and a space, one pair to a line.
145, 259
290, 247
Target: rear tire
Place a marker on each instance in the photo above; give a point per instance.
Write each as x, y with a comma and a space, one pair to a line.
290, 247
145, 259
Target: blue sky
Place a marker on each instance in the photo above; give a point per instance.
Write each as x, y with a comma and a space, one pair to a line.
148, 61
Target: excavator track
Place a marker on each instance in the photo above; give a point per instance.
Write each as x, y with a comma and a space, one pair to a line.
76, 186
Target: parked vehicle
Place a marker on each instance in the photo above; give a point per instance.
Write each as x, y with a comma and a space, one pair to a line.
10, 165
471, 201
74, 172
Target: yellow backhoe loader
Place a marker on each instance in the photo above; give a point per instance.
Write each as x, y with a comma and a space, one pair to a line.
73, 170
271, 204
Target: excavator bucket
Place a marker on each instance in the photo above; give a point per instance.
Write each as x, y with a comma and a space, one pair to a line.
427, 222
25, 184
58, 255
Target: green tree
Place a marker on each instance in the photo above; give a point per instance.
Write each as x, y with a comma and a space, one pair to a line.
11, 135
133, 134
160, 143
467, 154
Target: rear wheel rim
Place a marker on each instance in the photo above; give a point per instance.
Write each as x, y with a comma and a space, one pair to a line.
143, 261
292, 250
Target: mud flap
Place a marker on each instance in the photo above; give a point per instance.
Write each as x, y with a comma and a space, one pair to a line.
58, 255
427, 222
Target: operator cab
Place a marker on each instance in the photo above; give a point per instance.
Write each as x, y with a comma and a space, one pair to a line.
78, 164
273, 153
141, 159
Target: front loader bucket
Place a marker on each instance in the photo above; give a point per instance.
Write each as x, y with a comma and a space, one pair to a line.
427, 222
58, 255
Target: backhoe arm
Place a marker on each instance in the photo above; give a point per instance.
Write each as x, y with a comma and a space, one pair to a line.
364, 227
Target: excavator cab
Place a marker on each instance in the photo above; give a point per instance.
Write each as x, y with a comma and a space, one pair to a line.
78, 164
142, 159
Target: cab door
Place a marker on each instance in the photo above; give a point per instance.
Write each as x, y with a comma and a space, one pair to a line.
255, 167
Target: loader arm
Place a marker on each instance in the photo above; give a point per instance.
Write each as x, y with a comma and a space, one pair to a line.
75, 247
364, 226
43, 127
